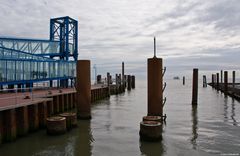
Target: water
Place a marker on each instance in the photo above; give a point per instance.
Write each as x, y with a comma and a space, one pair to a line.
211, 128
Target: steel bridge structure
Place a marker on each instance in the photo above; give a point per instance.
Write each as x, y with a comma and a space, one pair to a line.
26, 61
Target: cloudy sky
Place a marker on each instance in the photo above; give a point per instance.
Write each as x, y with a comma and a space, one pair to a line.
190, 33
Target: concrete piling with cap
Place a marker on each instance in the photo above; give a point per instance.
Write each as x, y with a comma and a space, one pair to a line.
195, 87
83, 89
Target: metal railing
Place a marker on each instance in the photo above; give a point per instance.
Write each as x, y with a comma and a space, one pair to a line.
18, 96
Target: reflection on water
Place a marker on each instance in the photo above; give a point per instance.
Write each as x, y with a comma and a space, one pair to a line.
84, 139
194, 126
152, 148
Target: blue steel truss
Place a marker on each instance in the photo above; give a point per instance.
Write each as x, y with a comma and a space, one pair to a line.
24, 61
65, 30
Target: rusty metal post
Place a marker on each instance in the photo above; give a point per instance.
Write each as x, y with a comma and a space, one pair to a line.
83, 89
195, 87
217, 81
155, 87
183, 80
233, 79
225, 82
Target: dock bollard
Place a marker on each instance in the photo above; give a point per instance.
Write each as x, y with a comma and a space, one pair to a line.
83, 89
195, 87
56, 125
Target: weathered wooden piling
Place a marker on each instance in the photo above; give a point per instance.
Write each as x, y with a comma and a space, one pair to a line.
195, 87
225, 82
129, 82
155, 87
183, 80
83, 89
233, 79
217, 79
133, 81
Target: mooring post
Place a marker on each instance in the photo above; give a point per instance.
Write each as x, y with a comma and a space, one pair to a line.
225, 82
233, 79
195, 87
217, 81
183, 80
155, 87
83, 89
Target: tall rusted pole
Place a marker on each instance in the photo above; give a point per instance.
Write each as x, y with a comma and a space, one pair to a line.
195, 87
155, 87
233, 78
225, 82
83, 89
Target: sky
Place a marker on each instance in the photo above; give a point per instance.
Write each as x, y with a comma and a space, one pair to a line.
202, 34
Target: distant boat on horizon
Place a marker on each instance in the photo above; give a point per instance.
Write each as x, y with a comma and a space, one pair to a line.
176, 78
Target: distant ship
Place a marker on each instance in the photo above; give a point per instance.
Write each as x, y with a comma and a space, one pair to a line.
176, 78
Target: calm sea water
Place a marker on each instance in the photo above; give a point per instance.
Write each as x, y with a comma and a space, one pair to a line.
211, 128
